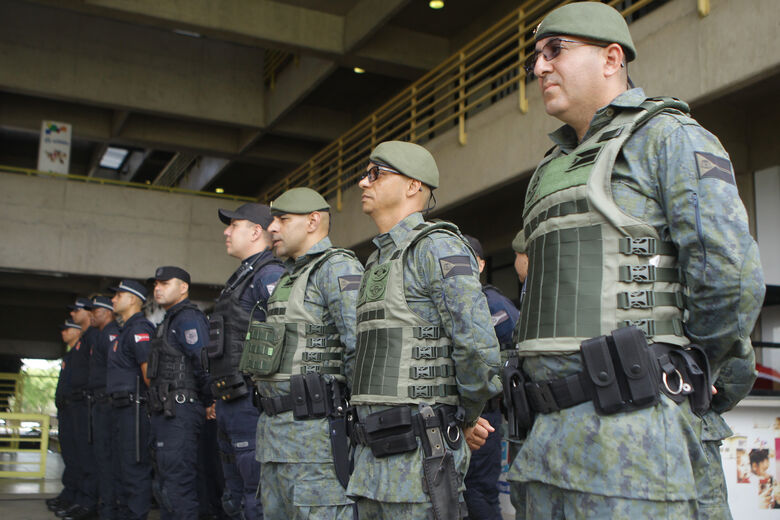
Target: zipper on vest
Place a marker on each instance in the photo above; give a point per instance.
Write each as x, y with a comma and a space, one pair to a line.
699, 231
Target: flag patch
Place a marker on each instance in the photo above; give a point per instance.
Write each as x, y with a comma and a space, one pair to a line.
141, 337
455, 265
714, 167
349, 283
499, 317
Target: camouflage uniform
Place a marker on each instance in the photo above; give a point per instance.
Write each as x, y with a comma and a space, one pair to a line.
391, 487
297, 475
675, 176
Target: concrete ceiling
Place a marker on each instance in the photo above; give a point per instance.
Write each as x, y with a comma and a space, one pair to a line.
181, 84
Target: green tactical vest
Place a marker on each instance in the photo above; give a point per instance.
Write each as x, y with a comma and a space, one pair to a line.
592, 267
400, 357
291, 340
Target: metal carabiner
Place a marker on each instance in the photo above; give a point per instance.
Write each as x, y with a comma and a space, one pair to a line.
680, 379
457, 433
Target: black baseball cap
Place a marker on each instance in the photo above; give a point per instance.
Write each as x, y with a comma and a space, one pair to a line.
167, 272
251, 211
475, 245
102, 302
133, 287
70, 325
81, 303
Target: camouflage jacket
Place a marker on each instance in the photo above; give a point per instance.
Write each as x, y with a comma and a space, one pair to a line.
676, 176
281, 438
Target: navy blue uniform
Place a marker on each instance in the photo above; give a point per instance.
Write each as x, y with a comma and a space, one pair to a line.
485, 467
79, 410
132, 479
237, 419
70, 478
176, 433
101, 418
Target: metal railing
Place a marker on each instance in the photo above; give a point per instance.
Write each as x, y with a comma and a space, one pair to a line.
112, 182
275, 61
483, 72
11, 385
18, 432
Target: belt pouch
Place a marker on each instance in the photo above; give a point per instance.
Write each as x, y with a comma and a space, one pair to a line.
697, 368
298, 391
216, 347
441, 480
390, 432
601, 372
153, 363
317, 391
640, 372
521, 417
155, 401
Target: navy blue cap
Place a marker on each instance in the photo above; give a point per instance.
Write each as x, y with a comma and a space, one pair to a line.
133, 287
251, 211
167, 272
70, 325
81, 303
102, 302
475, 245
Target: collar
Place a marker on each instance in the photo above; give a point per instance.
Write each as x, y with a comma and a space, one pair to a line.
305, 258
174, 308
393, 238
566, 138
135, 317
256, 256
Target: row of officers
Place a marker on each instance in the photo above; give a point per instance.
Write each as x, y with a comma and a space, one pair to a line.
349, 391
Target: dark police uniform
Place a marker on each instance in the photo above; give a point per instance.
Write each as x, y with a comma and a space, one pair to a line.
101, 417
132, 471
69, 491
250, 285
485, 466
79, 411
176, 394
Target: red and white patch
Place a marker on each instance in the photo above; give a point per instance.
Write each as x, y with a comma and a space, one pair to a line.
111, 337
141, 337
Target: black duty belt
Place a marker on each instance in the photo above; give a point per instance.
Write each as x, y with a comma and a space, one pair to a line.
100, 396
77, 395
311, 397
122, 399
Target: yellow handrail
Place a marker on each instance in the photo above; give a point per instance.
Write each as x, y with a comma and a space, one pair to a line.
485, 70
112, 182
10, 437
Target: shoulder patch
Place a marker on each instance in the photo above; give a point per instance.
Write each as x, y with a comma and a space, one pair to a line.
714, 167
141, 337
499, 317
111, 337
350, 282
270, 287
455, 265
191, 336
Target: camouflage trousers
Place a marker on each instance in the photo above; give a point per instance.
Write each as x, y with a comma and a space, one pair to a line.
711, 493
546, 502
516, 489
298, 491
373, 510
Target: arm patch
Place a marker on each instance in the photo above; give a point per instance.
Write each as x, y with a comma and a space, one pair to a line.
350, 282
455, 265
714, 167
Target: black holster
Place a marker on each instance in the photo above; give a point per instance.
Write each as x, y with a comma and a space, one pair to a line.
519, 416
440, 478
685, 373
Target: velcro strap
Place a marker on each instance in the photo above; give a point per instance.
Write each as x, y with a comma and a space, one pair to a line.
431, 371
431, 352
647, 246
431, 391
649, 299
430, 332
649, 274
653, 327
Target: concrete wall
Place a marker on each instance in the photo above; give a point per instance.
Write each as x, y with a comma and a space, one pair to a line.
679, 54
72, 227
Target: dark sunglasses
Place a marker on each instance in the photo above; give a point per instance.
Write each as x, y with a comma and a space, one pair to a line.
550, 51
373, 173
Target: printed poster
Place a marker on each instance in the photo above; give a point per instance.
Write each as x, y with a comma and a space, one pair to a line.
54, 148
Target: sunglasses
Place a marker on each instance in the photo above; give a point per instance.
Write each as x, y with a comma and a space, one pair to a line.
373, 173
550, 51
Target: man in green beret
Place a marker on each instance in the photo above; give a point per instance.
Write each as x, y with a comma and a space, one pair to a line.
427, 355
300, 359
635, 234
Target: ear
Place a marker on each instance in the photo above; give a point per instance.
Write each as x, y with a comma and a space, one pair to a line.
614, 57
313, 221
413, 188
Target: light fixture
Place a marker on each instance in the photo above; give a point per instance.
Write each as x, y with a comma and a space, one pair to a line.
436, 4
219, 190
113, 158
185, 32
358, 70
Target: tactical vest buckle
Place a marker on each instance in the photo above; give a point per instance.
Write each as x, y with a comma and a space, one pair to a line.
647, 326
311, 356
310, 369
317, 342
636, 300
424, 372
638, 246
637, 273
428, 332
424, 352
424, 391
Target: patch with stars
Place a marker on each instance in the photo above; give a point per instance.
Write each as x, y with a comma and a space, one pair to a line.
711, 166
455, 265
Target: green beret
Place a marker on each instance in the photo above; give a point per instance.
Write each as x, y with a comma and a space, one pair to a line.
411, 159
592, 20
299, 201
518, 244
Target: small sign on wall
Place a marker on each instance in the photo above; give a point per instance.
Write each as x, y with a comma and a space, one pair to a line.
54, 148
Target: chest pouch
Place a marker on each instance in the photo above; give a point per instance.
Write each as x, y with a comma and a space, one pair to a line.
216, 347
263, 348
